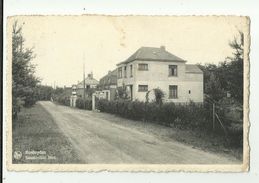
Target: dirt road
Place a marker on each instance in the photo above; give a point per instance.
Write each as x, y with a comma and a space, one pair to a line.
97, 139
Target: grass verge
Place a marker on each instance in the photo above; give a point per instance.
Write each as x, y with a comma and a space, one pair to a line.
37, 139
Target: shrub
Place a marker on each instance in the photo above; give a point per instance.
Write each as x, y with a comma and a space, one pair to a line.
182, 116
84, 104
170, 114
62, 99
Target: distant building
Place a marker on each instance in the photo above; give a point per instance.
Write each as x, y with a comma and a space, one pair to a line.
149, 68
108, 84
90, 85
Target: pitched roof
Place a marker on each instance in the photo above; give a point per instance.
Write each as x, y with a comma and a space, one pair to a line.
152, 54
110, 78
191, 68
88, 81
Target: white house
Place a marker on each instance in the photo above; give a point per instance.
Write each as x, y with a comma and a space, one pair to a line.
150, 68
90, 83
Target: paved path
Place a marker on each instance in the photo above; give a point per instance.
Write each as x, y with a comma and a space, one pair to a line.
100, 140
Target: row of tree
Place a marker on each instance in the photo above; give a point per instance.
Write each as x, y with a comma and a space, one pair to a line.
26, 88
24, 81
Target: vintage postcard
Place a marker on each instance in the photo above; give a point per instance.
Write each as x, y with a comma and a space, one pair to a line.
128, 93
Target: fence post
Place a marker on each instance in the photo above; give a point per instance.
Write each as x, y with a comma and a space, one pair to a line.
93, 101
213, 116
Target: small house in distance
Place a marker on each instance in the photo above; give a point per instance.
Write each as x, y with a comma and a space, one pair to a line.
108, 84
90, 86
149, 68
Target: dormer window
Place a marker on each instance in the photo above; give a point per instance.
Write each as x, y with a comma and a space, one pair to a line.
142, 67
172, 70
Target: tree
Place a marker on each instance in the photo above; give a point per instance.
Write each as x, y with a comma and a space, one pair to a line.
213, 87
23, 79
212, 81
44, 92
228, 75
235, 68
157, 94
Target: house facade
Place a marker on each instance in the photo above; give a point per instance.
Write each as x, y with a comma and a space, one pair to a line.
90, 85
149, 68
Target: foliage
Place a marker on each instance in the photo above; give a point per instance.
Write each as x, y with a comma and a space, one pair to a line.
227, 76
24, 81
89, 92
63, 99
44, 92
58, 91
213, 87
158, 94
170, 114
190, 116
121, 93
60, 96
84, 104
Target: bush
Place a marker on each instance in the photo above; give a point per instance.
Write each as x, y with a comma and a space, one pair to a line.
181, 116
81, 104
63, 100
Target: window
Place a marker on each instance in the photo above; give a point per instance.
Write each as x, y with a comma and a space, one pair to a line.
125, 71
120, 72
143, 67
131, 71
172, 91
172, 70
142, 88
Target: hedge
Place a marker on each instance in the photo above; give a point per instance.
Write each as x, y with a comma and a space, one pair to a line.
81, 104
64, 100
182, 116
170, 114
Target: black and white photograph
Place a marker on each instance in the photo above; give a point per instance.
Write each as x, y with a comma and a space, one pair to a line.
128, 93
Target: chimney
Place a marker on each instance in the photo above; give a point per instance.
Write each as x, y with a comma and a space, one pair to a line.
162, 48
90, 75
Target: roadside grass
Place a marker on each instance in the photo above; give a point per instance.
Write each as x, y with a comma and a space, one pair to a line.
206, 141
35, 132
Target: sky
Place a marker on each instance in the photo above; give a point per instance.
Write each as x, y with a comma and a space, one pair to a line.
62, 44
